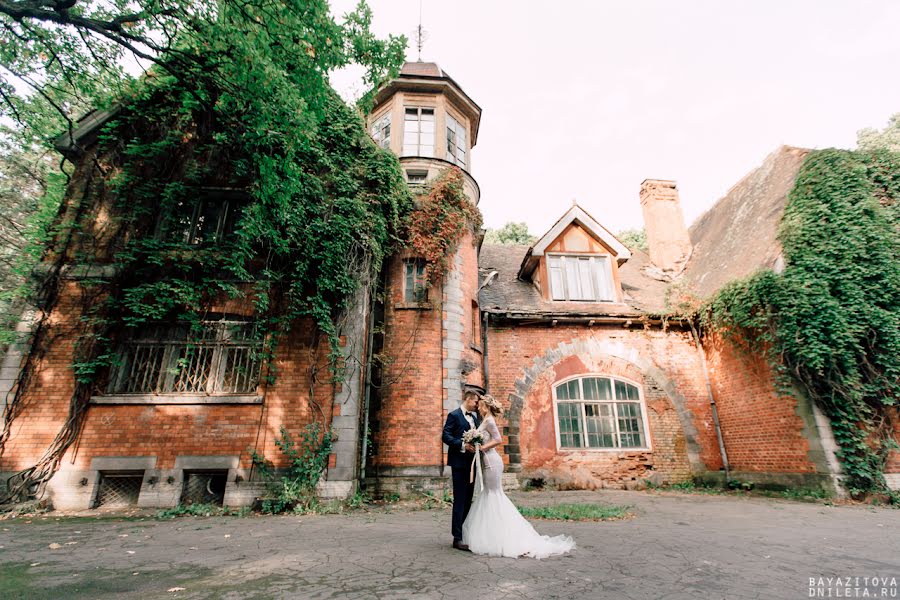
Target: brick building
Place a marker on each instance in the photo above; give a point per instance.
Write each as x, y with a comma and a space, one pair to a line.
601, 388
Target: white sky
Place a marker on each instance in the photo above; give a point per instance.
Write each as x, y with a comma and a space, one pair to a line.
585, 99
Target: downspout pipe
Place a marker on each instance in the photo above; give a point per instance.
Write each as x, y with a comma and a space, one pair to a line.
712, 401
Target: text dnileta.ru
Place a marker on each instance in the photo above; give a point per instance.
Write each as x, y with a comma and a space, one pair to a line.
853, 587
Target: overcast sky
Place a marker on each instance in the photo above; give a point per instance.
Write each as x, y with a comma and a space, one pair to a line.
585, 99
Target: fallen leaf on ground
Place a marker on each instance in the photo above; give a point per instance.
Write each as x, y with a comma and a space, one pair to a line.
123, 535
175, 589
129, 551
227, 535
54, 546
34, 564
70, 543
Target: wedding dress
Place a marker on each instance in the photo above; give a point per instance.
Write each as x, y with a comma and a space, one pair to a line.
494, 525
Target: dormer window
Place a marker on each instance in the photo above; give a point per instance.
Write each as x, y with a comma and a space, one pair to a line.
381, 131
580, 278
456, 142
418, 132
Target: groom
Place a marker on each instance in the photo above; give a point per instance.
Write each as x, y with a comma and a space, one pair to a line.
459, 458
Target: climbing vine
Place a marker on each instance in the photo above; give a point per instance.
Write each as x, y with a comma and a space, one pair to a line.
314, 205
830, 321
439, 221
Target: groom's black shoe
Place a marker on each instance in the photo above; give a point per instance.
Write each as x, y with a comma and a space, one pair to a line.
460, 546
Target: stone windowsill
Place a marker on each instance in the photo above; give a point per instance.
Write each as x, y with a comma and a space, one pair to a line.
175, 399
476, 348
412, 306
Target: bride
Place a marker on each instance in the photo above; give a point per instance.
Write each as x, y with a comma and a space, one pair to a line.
494, 525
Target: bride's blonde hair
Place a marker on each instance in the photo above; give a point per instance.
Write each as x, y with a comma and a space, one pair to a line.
492, 404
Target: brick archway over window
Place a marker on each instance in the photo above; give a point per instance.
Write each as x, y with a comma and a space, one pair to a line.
654, 379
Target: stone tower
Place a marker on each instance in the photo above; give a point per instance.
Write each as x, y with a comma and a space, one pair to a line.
430, 339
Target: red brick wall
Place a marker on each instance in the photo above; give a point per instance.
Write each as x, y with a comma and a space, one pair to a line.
761, 428
673, 361
166, 431
409, 428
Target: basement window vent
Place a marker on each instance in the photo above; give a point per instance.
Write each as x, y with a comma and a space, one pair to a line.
204, 487
119, 489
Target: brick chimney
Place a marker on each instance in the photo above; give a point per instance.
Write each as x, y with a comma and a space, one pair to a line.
667, 237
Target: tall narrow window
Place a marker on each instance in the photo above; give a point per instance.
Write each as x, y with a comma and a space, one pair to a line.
414, 285
456, 142
418, 132
381, 131
580, 278
599, 412
476, 325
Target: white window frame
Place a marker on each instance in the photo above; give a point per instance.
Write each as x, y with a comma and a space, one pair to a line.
381, 130
456, 133
596, 264
647, 447
416, 149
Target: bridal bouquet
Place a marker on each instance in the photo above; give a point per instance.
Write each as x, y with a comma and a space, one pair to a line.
473, 436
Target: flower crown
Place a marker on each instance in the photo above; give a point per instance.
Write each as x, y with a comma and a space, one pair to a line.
491, 402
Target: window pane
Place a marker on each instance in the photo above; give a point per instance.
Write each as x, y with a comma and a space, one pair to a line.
590, 388
600, 427
412, 114
574, 391
631, 431
583, 266
573, 285
569, 414
557, 282
562, 392
603, 278
621, 390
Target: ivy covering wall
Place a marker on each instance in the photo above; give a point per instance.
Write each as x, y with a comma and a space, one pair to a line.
830, 321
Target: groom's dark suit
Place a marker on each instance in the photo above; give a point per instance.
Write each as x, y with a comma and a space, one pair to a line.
460, 462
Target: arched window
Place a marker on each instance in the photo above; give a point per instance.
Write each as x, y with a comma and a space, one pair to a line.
597, 412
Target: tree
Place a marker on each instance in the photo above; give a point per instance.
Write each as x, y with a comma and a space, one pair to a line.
636, 239
511, 233
886, 139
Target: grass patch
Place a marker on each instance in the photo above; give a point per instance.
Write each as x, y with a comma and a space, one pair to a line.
576, 512
201, 510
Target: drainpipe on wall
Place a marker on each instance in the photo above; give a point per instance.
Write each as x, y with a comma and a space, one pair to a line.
485, 320
712, 402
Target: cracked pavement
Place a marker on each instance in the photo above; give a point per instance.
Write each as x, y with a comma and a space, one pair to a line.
676, 546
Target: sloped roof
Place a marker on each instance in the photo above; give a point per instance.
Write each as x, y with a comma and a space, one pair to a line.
738, 235
422, 69
509, 294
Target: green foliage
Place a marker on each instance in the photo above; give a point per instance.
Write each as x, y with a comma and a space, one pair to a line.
511, 233
201, 510
576, 512
636, 239
296, 488
440, 220
886, 139
830, 322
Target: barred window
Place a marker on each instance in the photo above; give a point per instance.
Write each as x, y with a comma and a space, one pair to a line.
599, 412
216, 357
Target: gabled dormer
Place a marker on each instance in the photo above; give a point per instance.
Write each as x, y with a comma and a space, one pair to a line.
578, 260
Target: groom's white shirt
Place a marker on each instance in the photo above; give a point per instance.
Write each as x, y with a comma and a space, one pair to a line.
471, 424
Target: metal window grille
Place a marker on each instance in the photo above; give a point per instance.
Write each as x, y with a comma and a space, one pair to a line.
206, 487
119, 489
220, 357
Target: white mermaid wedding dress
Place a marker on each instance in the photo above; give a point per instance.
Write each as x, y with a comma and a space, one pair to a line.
494, 525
